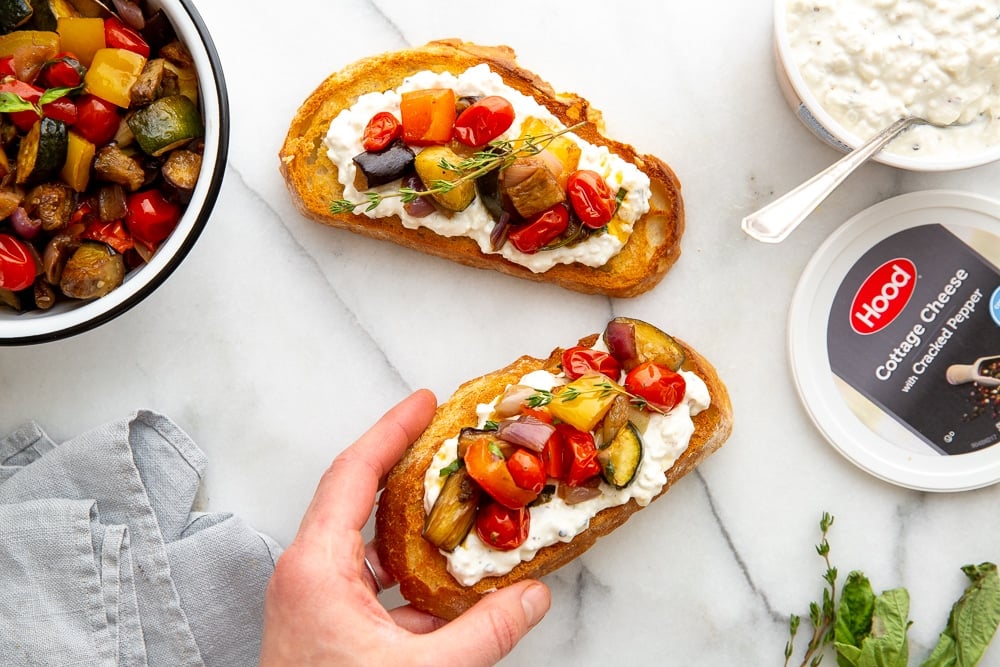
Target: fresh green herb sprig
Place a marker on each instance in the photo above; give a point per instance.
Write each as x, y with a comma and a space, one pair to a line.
542, 397
870, 630
12, 102
497, 155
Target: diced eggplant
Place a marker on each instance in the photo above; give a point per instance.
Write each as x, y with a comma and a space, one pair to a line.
620, 459
52, 204
488, 189
115, 165
93, 271
181, 169
384, 166
531, 187
14, 13
147, 88
10, 299
633, 342
454, 511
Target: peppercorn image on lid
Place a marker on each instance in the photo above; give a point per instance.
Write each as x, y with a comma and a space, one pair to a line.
894, 340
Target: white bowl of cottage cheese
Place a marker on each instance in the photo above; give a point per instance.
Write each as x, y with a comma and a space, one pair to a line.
850, 68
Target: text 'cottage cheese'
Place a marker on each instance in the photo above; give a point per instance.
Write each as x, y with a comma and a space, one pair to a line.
343, 142
664, 439
871, 62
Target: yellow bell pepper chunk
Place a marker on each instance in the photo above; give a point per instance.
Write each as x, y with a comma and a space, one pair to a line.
584, 401
37, 40
81, 36
112, 74
79, 158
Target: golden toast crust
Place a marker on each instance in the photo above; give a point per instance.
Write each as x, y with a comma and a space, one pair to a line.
421, 569
311, 177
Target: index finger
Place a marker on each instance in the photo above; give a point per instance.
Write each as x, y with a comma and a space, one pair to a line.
346, 492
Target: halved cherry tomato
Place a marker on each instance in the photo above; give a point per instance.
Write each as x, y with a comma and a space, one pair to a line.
65, 71
579, 360
501, 527
17, 264
659, 386
527, 470
113, 233
581, 453
150, 217
592, 199
97, 120
380, 131
117, 35
484, 121
428, 116
486, 465
540, 230
553, 456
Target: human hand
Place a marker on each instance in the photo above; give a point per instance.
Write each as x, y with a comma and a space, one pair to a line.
321, 606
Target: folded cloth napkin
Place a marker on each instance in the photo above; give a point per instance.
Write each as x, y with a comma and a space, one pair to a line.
103, 562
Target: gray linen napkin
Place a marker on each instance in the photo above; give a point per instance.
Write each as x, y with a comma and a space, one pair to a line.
102, 561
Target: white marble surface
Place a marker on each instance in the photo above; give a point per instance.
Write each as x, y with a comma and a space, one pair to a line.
278, 341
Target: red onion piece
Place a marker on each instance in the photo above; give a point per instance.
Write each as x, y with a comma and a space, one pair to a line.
513, 399
527, 431
620, 339
571, 495
23, 224
130, 13
498, 235
420, 207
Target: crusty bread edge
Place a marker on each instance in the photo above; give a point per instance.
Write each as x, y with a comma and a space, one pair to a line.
312, 185
419, 567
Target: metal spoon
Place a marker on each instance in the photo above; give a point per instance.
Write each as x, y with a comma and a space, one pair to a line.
774, 222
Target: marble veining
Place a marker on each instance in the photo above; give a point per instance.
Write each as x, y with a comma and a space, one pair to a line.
278, 341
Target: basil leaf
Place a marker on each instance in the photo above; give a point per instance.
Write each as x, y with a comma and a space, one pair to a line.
11, 103
53, 94
450, 468
887, 644
973, 620
854, 618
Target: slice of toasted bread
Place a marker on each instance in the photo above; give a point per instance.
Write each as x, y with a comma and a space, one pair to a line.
422, 570
312, 178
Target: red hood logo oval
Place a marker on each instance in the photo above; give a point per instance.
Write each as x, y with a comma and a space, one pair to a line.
883, 296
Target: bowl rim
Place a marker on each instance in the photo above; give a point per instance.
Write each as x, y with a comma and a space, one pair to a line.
36, 327
838, 134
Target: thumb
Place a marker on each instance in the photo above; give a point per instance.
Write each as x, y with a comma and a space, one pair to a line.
490, 629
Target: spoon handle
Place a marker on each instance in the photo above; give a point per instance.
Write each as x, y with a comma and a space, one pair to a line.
774, 222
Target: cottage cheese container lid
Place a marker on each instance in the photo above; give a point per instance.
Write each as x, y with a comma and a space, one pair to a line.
894, 340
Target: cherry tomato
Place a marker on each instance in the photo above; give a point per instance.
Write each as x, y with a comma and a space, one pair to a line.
117, 35
540, 414
380, 131
578, 361
23, 120
7, 66
150, 217
65, 71
487, 466
592, 199
658, 385
484, 121
428, 116
501, 527
527, 470
97, 120
540, 230
581, 454
552, 456
17, 264
113, 233
63, 109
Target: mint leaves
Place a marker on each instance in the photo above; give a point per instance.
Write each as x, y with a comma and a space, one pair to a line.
869, 630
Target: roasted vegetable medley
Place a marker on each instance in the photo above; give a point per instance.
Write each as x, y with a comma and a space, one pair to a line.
102, 142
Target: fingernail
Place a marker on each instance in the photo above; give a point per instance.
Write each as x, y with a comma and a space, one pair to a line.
535, 602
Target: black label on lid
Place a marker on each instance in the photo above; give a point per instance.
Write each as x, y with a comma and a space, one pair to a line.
917, 304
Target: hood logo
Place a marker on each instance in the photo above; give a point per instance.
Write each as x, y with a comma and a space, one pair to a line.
883, 295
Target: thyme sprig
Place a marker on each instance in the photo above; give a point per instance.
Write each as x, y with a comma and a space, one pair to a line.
498, 154
821, 614
604, 389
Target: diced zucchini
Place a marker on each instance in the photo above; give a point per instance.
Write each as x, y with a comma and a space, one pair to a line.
112, 74
42, 152
13, 13
79, 159
165, 124
620, 459
46, 13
